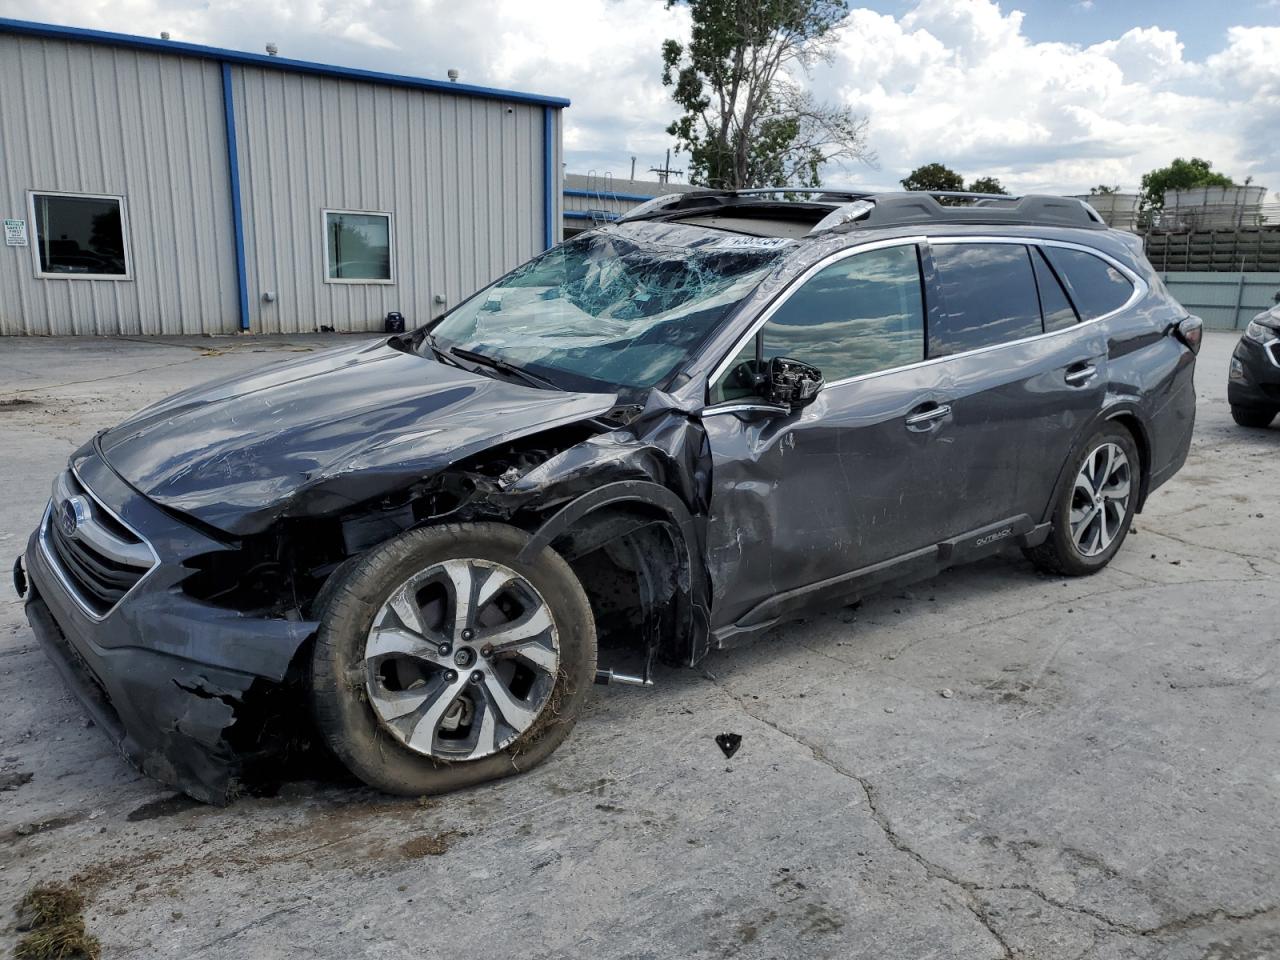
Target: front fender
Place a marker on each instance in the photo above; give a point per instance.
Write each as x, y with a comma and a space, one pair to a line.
693, 615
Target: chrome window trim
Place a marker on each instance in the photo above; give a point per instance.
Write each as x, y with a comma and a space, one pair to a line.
731, 406
51, 558
1140, 290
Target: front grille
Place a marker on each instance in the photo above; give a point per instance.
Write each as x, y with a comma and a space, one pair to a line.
101, 558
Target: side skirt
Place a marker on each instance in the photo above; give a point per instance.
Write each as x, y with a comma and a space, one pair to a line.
908, 568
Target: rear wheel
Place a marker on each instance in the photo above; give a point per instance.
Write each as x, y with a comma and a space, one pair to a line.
444, 660
1252, 416
1093, 515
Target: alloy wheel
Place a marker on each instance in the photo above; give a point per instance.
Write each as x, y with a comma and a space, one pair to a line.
1100, 500
461, 659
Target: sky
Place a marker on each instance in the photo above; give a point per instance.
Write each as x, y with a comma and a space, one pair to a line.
1046, 95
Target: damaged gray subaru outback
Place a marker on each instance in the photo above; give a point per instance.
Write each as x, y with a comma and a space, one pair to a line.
671, 432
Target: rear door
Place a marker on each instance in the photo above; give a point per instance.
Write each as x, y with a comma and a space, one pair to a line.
1025, 376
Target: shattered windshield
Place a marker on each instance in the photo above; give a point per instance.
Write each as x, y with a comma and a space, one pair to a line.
617, 309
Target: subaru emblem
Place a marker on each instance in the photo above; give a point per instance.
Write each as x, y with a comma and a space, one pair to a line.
73, 512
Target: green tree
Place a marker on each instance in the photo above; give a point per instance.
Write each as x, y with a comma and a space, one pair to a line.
933, 176
987, 185
747, 122
1179, 175
1102, 190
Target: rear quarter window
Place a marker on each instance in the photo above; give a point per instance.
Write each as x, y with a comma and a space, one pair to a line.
1095, 286
1057, 309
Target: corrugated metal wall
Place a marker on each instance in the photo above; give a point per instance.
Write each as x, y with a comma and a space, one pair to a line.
81, 117
1224, 301
462, 177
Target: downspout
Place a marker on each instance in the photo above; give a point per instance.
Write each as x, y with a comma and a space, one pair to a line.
549, 178
237, 214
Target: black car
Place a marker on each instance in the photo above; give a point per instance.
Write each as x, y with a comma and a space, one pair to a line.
1253, 385
675, 432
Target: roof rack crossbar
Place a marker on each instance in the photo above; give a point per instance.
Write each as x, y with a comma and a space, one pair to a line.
855, 192
766, 191
966, 194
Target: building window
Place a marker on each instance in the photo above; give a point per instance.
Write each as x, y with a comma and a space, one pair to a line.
80, 236
357, 247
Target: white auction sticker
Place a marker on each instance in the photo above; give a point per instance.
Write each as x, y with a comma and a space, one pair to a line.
15, 233
752, 243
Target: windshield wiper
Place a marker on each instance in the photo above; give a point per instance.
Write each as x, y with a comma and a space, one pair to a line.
532, 379
430, 340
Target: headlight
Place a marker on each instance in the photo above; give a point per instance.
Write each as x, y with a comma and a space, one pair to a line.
1258, 333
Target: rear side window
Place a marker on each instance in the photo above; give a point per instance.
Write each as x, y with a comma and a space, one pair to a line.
989, 296
860, 315
1057, 310
1096, 287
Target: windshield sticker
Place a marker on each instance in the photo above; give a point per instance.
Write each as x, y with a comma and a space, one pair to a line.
752, 243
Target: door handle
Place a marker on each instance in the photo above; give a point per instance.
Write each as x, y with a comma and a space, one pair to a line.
1080, 374
927, 416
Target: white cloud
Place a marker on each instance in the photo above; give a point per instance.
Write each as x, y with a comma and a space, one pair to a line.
1146, 54
957, 81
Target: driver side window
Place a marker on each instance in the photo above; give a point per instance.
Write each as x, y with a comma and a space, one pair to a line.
860, 315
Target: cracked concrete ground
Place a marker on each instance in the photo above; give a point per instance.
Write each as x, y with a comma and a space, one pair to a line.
1103, 782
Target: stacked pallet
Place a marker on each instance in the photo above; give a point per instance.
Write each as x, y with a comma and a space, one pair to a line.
1221, 251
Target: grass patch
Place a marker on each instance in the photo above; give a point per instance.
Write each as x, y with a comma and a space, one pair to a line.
427, 846
52, 921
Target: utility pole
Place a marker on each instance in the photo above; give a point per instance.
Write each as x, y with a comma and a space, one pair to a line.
633, 168
664, 172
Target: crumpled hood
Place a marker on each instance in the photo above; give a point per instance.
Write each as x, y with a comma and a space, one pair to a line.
311, 436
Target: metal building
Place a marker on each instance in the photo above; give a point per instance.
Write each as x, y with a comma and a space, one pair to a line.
592, 199
155, 187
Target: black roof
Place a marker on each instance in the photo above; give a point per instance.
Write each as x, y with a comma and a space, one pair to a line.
833, 209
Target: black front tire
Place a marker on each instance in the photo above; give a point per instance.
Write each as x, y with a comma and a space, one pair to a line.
1255, 417
343, 714
1059, 554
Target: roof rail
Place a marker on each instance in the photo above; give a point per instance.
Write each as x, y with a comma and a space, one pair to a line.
912, 207
860, 208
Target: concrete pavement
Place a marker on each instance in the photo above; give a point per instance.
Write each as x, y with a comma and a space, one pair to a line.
1102, 781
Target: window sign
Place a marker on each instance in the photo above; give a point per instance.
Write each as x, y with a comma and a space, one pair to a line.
15, 233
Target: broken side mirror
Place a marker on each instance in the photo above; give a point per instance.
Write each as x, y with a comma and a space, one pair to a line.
791, 383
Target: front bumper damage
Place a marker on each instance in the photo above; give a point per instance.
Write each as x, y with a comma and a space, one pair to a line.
199, 697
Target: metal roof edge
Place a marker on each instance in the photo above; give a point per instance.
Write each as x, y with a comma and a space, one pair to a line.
180, 48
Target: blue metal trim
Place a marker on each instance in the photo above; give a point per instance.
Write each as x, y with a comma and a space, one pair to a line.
55, 32
237, 211
549, 178
603, 194
590, 215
